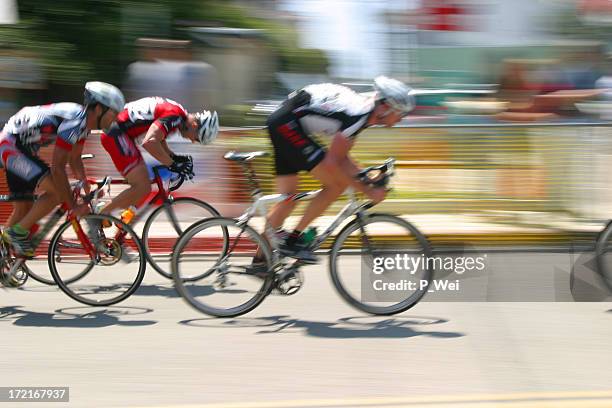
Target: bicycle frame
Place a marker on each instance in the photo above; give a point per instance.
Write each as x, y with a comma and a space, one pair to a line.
48, 226
262, 202
161, 196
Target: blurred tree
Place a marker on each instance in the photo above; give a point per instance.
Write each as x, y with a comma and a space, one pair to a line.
81, 40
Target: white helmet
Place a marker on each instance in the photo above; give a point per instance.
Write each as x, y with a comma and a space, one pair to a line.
208, 126
104, 94
395, 93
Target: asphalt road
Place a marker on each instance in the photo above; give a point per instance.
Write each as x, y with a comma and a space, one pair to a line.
312, 349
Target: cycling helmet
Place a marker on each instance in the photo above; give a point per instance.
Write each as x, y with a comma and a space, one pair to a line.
208, 126
104, 94
395, 93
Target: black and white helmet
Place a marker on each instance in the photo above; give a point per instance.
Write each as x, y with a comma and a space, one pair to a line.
208, 126
104, 94
395, 93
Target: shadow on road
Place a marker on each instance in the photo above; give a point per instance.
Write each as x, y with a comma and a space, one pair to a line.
70, 317
170, 292
345, 328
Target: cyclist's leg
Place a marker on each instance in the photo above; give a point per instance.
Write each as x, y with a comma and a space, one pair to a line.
128, 161
139, 187
285, 184
43, 205
20, 209
325, 172
25, 172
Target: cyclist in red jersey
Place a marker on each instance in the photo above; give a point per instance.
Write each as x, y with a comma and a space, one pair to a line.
155, 117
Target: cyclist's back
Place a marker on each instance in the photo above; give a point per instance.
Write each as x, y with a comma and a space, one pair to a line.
329, 108
139, 115
36, 126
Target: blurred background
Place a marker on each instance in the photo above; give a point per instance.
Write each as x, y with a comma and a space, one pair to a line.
511, 131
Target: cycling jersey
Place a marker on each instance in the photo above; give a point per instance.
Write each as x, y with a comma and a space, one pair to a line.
135, 120
36, 126
327, 109
30, 129
139, 115
324, 109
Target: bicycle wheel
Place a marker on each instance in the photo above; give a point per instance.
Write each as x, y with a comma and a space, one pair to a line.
227, 287
40, 264
166, 223
603, 253
380, 287
116, 270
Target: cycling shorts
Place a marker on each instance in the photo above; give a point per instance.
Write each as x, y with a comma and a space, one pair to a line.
122, 150
294, 149
23, 169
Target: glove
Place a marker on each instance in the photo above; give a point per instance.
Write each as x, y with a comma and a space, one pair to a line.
184, 169
181, 159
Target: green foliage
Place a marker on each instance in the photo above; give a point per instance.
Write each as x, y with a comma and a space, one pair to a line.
81, 40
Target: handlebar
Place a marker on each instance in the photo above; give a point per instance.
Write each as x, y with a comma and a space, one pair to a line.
175, 183
384, 173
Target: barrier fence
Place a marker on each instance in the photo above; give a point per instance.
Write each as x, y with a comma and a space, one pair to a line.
494, 172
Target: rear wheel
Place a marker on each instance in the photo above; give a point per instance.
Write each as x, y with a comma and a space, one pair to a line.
212, 267
603, 251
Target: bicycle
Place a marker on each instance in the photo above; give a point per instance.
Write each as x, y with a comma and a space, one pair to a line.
603, 249
164, 215
218, 257
78, 253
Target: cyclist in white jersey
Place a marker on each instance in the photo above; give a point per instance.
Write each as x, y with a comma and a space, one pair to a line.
66, 125
339, 113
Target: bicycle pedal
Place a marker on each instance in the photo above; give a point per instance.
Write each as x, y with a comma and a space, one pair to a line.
289, 282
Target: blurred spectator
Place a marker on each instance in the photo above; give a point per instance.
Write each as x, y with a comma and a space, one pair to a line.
513, 84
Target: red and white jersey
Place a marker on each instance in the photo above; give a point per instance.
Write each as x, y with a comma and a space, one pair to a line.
139, 115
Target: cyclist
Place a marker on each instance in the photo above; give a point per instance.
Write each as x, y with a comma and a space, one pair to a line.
155, 117
65, 124
335, 111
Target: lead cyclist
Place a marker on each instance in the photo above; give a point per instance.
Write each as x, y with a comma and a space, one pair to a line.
339, 113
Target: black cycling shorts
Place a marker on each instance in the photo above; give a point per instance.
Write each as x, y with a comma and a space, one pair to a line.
23, 169
294, 150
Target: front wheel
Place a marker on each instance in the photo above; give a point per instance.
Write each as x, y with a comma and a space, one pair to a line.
113, 258
378, 264
164, 226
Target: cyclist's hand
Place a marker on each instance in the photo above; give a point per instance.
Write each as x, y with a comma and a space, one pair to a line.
80, 210
185, 169
182, 159
377, 194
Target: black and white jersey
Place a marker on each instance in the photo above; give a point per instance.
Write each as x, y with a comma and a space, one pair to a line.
36, 126
328, 109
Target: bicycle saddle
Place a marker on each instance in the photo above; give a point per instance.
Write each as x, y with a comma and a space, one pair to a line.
243, 156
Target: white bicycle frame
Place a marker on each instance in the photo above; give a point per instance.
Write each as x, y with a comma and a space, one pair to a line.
262, 203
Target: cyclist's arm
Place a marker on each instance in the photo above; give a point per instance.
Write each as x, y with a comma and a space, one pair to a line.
339, 155
167, 148
76, 164
60, 178
153, 143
